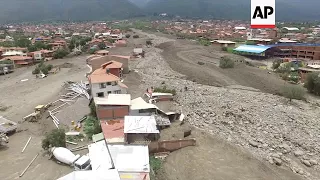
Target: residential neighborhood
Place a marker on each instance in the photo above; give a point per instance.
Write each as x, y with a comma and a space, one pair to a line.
149, 100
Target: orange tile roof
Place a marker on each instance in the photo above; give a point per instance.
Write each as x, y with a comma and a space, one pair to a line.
111, 65
101, 76
112, 128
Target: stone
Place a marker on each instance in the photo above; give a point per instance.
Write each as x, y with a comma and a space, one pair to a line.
277, 161
306, 162
298, 153
313, 162
253, 143
286, 147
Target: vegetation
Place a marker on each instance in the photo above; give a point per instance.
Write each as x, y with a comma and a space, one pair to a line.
135, 36
128, 35
224, 49
38, 46
92, 126
276, 64
41, 67
56, 138
200, 63
226, 62
93, 111
313, 83
102, 45
6, 62
75, 138
60, 53
164, 89
155, 165
76, 41
293, 92
205, 42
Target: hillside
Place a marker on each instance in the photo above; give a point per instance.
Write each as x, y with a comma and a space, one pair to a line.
234, 9
44, 10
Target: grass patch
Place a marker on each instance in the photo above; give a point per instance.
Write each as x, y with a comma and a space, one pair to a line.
75, 138
155, 165
226, 62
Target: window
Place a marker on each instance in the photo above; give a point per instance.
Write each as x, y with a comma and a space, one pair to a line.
100, 94
109, 92
114, 83
102, 85
108, 83
117, 92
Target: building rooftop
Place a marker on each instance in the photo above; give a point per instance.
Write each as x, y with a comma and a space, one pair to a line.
111, 174
252, 49
114, 99
140, 125
113, 130
126, 158
139, 103
100, 76
111, 65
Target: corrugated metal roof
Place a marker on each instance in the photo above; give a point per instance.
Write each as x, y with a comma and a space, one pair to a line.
252, 48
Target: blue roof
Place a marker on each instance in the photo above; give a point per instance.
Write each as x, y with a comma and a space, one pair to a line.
252, 49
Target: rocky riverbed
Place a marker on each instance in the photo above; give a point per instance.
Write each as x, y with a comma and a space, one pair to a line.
283, 133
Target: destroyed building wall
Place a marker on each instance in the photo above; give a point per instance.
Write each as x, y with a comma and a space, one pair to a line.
169, 146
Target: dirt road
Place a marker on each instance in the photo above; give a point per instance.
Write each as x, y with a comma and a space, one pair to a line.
183, 57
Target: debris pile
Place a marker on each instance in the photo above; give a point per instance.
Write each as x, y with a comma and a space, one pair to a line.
75, 90
267, 125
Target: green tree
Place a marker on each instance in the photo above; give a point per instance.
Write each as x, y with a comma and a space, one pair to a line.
276, 63
60, 53
22, 42
293, 92
312, 83
226, 62
93, 112
32, 48
92, 126
56, 138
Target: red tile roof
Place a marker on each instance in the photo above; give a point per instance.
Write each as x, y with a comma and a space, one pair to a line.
101, 76
112, 128
111, 65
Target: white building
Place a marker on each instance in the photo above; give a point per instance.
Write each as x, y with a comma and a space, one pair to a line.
103, 83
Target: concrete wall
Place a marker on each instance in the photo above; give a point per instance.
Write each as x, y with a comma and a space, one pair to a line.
169, 146
95, 88
97, 62
112, 112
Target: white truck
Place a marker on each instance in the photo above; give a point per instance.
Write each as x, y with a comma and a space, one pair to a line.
64, 155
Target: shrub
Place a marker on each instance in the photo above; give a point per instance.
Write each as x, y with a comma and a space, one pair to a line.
102, 45
92, 51
49, 67
224, 49
128, 35
293, 92
165, 90
56, 138
200, 63
155, 164
6, 62
226, 62
60, 53
92, 126
93, 112
276, 64
36, 70
135, 36
312, 83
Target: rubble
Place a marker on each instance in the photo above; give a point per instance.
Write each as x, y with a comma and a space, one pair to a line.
262, 123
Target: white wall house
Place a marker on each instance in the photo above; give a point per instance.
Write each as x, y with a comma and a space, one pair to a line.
104, 88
